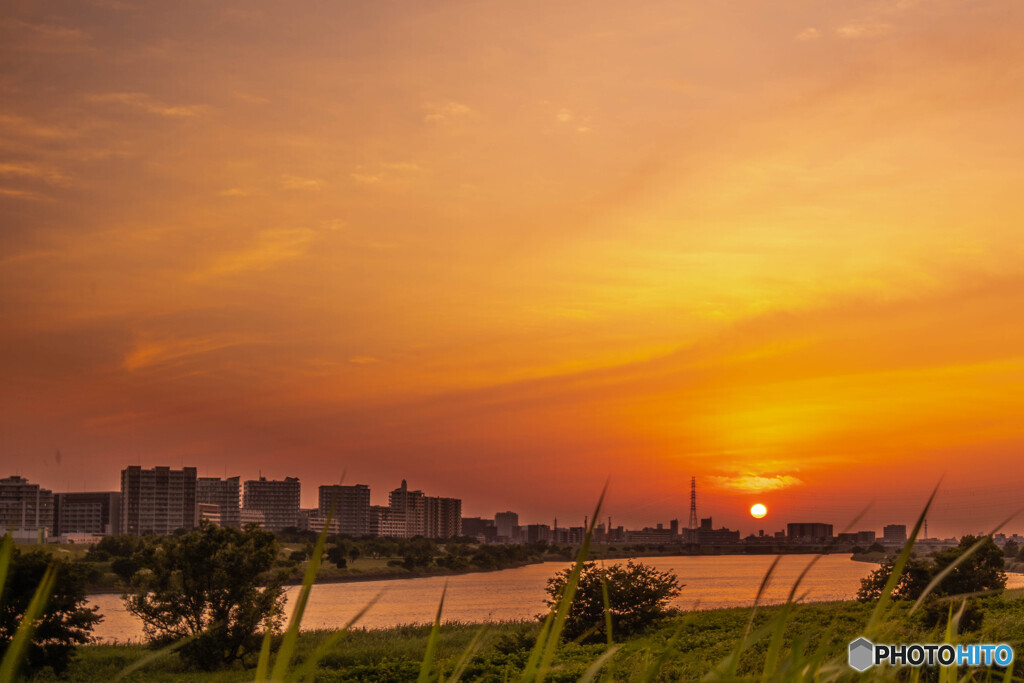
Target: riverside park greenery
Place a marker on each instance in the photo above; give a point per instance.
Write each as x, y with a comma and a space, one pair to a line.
953, 597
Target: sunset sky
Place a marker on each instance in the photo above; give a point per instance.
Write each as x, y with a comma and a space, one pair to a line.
509, 250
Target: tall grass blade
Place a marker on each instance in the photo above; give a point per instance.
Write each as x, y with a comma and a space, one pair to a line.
607, 608
263, 665
467, 655
291, 636
151, 657
897, 570
734, 662
435, 630
533, 661
6, 552
591, 673
947, 674
653, 666
569, 594
938, 578
543, 652
308, 669
771, 659
725, 670
23, 636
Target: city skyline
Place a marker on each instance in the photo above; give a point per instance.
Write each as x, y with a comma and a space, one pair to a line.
316, 497
521, 250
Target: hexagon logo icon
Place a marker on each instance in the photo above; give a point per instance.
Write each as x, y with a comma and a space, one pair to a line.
862, 654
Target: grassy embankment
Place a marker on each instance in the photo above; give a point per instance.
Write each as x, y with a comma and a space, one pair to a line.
104, 580
701, 641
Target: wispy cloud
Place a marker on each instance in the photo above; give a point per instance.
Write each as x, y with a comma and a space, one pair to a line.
250, 98
808, 35
863, 29
294, 182
270, 248
150, 351
32, 171
386, 171
22, 126
147, 103
20, 194
754, 483
440, 111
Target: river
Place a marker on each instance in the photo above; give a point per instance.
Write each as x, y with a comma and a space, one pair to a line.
710, 582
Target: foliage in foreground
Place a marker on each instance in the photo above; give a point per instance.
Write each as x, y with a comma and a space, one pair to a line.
631, 597
975, 566
208, 586
788, 642
65, 620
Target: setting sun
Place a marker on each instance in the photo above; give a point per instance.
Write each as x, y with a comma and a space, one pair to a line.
758, 511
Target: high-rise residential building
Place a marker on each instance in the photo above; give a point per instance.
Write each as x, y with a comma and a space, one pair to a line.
224, 493
538, 532
158, 500
350, 505
413, 506
249, 516
809, 532
481, 529
507, 524
387, 521
97, 513
210, 512
443, 517
866, 537
26, 510
278, 500
314, 520
895, 534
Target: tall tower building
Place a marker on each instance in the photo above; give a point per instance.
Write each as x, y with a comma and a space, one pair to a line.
26, 510
413, 506
507, 523
692, 523
443, 517
351, 506
278, 500
224, 493
158, 500
97, 513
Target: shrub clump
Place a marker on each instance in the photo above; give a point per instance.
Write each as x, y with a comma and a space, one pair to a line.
638, 596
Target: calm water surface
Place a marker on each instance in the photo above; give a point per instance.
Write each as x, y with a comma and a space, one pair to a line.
711, 582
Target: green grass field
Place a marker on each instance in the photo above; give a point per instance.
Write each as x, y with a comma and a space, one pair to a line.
701, 640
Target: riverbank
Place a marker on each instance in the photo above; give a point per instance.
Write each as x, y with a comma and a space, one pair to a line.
104, 581
690, 644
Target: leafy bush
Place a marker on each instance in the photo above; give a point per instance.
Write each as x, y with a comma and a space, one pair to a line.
125, 568
206, 585
336, 555
638, 595
981, 571
66, 621
112, 546
916, 575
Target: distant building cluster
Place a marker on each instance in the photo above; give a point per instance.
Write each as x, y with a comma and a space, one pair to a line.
162, 500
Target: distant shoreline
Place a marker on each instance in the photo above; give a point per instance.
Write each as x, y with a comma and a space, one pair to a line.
296, 580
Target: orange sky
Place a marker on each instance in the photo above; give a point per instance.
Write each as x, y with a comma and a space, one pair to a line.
508, 250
